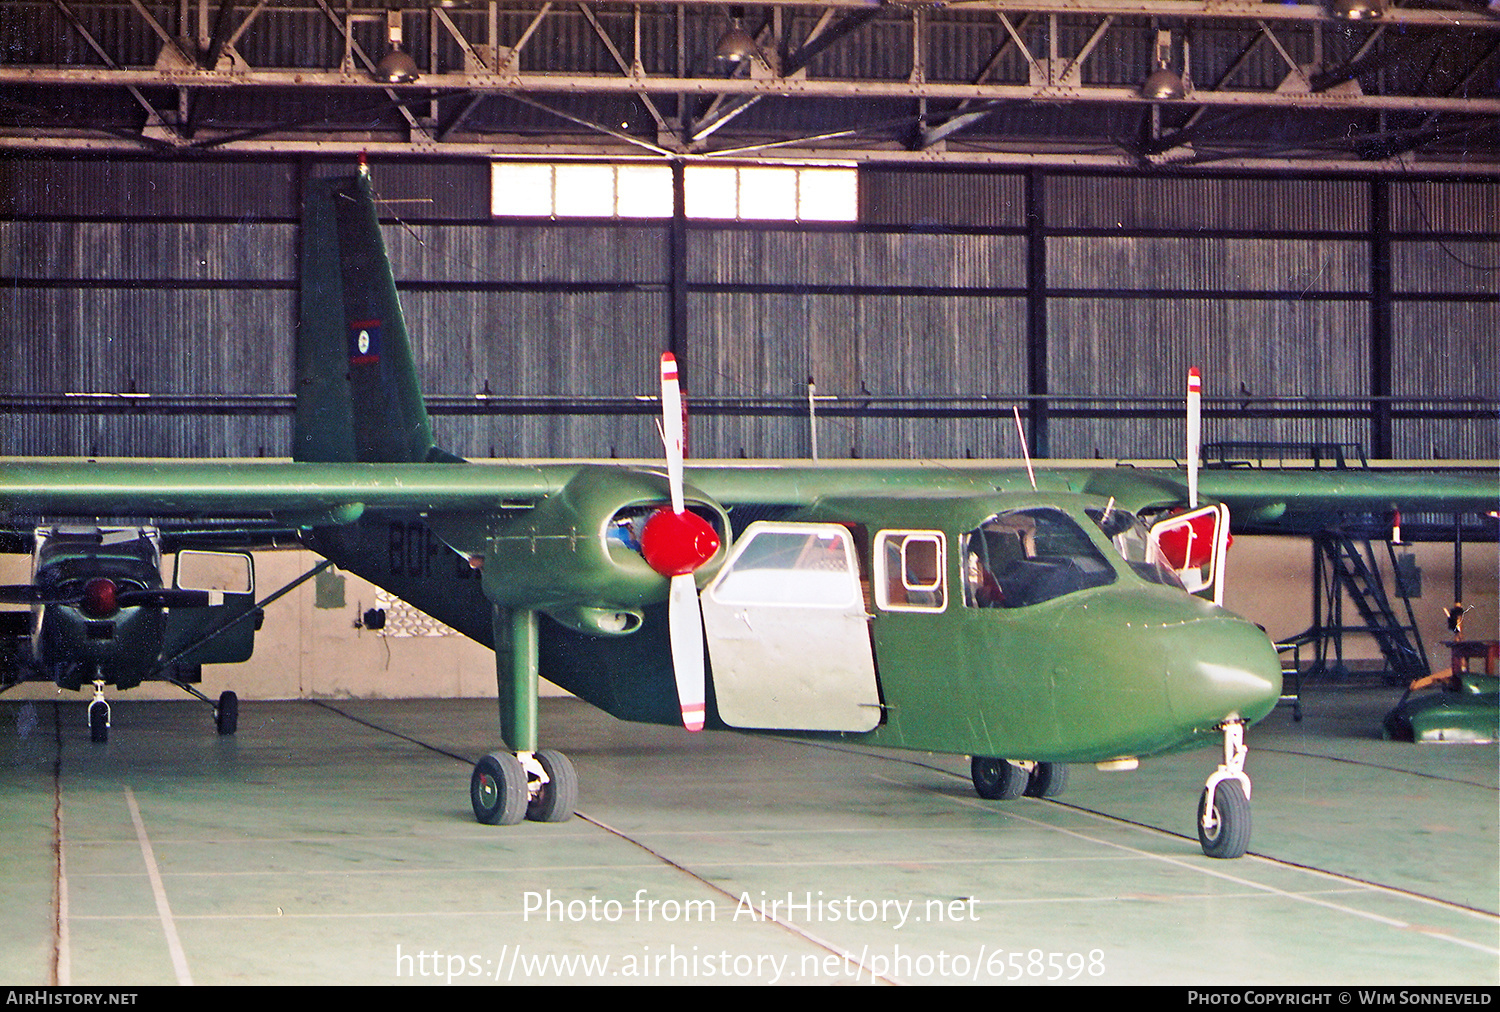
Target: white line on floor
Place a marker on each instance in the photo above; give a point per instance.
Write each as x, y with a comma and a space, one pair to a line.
163, 908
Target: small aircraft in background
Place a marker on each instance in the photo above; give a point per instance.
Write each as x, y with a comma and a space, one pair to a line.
100, 615
1026, 618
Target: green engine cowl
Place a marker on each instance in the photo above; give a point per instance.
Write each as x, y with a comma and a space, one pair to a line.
576, 555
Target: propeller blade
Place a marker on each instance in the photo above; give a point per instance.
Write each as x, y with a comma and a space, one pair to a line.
687, 541
26, 593
101, 598
685, 625
674, 431
166, 597
1194, 432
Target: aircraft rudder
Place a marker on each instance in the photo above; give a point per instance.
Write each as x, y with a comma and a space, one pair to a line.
357, 392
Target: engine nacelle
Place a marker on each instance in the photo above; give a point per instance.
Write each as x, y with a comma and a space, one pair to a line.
577, 553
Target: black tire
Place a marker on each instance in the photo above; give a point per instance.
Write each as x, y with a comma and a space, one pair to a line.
996, 779
98, 722
497, 790
1047, 780
1229, 836
555, 799
227, 715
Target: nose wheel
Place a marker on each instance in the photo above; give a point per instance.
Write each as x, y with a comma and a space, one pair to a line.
1224, 808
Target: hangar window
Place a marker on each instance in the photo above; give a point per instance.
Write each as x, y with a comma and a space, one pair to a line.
579, 190
911, 573
727, 192
771, 192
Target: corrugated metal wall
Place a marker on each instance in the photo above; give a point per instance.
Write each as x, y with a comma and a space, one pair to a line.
1446, 318
180, 278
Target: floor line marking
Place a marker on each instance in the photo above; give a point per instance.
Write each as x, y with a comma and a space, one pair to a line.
765, 917
163, 908
62, 959
1247, 883
1360, 884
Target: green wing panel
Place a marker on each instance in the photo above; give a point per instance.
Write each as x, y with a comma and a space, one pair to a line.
300, 494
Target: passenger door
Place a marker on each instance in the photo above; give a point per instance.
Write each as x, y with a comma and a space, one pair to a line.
787, 633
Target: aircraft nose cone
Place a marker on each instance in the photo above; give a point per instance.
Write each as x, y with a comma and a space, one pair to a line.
1221, 668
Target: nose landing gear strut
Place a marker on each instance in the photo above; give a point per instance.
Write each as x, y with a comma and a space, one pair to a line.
1224, 809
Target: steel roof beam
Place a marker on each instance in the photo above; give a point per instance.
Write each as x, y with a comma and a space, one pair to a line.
575, 84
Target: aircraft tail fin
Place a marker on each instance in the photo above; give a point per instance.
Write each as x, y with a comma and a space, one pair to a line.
357, 393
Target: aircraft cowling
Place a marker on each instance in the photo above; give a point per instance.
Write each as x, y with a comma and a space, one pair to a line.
569, 555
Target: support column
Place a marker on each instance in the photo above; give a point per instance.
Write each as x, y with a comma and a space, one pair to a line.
516, 651
677, 309
1036, 314
1381, 359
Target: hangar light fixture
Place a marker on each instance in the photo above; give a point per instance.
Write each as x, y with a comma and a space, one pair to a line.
395, 67
1163, 85
1357, 10
736, 45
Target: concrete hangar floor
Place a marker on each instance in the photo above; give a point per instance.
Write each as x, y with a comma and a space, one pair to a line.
332, 843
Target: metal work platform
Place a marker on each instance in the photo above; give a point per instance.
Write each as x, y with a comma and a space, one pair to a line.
332, 843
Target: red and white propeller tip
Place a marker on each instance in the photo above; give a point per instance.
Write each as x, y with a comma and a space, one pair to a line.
1194, 432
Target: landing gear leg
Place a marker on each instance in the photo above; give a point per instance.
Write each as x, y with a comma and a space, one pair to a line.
99, 715
525, 784
1224, 808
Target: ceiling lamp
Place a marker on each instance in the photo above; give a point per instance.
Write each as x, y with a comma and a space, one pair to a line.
736, 45
1163, 85
1357, 10
395, 67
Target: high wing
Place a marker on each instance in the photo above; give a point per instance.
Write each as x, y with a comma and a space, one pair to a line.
283, 496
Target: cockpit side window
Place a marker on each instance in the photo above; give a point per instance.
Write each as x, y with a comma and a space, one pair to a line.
1131, 539
1025, 557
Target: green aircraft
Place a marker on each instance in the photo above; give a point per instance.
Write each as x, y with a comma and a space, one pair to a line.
1027, 618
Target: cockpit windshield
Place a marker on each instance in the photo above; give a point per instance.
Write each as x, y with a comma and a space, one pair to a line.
1131, 539
1025, 557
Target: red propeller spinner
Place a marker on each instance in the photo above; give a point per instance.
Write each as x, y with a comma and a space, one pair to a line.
677, 543
100, 599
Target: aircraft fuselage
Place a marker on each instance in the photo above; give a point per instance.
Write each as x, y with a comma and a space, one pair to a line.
1088, 661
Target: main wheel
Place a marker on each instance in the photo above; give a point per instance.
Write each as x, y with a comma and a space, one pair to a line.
555, 799
1047, 780
99, 722
996, 779
227, 715
1228, 832
498, 790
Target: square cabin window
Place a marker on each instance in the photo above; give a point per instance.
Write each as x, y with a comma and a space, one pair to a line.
911, 571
